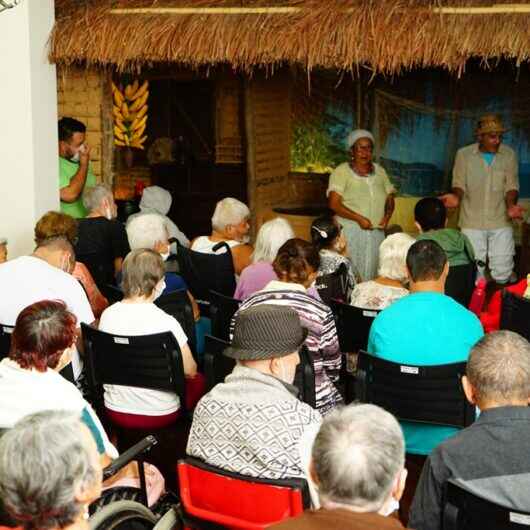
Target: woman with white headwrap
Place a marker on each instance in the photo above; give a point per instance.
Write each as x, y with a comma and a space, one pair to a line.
362, 196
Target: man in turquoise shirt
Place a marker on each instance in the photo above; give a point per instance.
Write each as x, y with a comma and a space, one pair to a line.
74, 171
425, 328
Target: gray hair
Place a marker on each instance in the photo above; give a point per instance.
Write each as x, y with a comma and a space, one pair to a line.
93, 197
144, 230
393, 256
228, 212
357, 456
499, 367
141, 271
271, 236
45, 460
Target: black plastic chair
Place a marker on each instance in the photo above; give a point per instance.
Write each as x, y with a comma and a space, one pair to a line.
207, 272
461, 282
515, 314
334, 286
424, 394
216, 365
145, 361
178, 305
465, 511
5, 340
353, 326
112, 293
222, 309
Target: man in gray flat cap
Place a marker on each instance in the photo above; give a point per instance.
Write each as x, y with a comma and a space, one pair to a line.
253, 423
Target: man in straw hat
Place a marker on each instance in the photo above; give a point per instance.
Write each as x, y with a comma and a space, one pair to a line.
253, 423
486, 185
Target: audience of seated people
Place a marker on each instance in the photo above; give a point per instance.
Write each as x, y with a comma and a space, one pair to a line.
329, 240
425, 328
3, 249
51, 483
136, 314
296, 266
489, 458
357, 463
230, 223
158, 201
392, 276
58, 224
253, 423
44, 275
271, 236
102, 242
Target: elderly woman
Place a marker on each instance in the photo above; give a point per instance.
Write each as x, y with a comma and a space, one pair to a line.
230, 223
58, 224
142, 283
362, 196
328, 238
271, 236
392, 274
3, 249
296, 266
102, 243
158, 201
50, 484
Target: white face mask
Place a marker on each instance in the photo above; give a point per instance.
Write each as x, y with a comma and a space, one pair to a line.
159, 289
164, 255
75, 158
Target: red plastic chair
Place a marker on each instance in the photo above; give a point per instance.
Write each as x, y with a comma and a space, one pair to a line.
212, 496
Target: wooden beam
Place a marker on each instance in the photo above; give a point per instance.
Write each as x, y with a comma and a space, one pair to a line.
494, 9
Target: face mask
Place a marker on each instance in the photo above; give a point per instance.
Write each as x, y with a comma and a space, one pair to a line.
75, 157
393, 505
159, 289
164, 255
108, 214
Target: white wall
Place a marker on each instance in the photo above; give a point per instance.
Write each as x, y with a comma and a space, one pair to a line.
28, 123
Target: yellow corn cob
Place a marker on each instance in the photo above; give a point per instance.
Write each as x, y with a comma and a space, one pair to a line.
137, 123
126, 140
118, 133
119, 123
118, 98
117, 112
125, 111
119, 143
128, 92
138, 133
142, 112
137, 145
140, 91
134, 88
140, 102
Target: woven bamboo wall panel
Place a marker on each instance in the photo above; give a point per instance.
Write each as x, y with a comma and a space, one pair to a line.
228, 141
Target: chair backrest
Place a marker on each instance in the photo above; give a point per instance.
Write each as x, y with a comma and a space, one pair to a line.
334, 286
425, 394
465, 511
205, 272
144, 361
515, 314
353, 325
304, 378
461, 282
5, 339
235, 501
216, 365
222, 309
178, 305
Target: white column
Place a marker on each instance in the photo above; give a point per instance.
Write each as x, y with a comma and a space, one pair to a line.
28, 123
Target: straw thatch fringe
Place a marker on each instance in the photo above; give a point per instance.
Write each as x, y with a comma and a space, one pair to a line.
386, 36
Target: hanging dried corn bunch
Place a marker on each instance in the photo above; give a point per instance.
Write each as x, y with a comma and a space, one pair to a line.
130, 114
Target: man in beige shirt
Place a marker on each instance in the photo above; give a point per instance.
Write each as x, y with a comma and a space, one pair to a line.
486, 187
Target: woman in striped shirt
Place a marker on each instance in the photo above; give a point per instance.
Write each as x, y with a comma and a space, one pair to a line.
296, 265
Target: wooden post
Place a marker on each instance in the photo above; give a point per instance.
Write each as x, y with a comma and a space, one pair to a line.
107, 130
359, 111
248, 134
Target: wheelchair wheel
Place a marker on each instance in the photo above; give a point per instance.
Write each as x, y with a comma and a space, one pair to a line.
123, 515
170, 521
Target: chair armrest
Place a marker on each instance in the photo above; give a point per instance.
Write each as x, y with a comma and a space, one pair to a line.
143, 446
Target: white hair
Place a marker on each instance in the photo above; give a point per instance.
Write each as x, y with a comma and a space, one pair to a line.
393, 256
144, 230
357, 456
45, 461
229, 211
93, 197
271, 236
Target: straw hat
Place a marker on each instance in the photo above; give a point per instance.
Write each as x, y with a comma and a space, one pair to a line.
490, 123
266, 331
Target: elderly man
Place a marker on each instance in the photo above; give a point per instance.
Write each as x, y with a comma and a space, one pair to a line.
50, 484
357, 464
490, 457
253, 423
486, 186
425, 328
45, 275
74, 169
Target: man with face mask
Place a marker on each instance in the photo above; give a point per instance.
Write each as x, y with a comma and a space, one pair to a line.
486, 187
74, 170
253, 423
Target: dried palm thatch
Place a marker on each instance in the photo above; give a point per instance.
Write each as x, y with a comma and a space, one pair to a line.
386, 36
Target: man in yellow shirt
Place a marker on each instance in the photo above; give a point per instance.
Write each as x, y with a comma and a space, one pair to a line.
74, 170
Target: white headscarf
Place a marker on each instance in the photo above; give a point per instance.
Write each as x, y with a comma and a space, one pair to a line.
156, 198
357, 134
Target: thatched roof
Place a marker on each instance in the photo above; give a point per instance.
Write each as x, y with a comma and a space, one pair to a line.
384, 35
